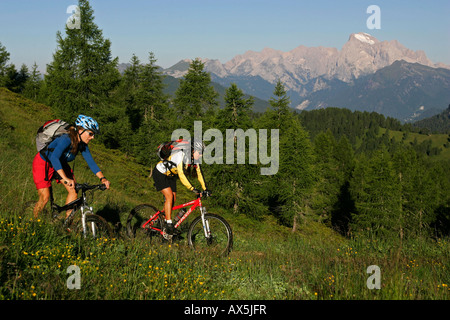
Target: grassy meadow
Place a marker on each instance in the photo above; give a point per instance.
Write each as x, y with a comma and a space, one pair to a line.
268, 261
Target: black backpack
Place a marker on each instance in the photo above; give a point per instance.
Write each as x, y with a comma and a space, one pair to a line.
166, 149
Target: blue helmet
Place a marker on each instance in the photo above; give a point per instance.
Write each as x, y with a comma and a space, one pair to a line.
87, 123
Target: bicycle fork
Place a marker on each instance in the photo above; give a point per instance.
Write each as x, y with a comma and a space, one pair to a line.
205, 223
83, 221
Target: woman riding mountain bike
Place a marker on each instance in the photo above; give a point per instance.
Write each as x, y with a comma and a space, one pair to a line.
52, 162
166, 172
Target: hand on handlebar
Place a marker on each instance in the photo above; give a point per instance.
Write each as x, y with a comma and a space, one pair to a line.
69, 182
206, 193
106, 183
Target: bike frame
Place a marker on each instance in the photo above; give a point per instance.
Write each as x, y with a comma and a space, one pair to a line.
79, 203
194, 204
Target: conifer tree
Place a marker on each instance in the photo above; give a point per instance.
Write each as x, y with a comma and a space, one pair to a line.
152, 116
280, 103
152, 102
128, 92
420, 191
4, 58
377, 194
236, 113
235, 182
329, 178
289, 190
195, 98
82, 74
32, 88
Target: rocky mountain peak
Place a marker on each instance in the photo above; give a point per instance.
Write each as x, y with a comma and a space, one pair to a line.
305, 70
363, 37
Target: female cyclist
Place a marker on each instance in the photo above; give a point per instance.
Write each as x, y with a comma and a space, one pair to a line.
165, 174
52, 162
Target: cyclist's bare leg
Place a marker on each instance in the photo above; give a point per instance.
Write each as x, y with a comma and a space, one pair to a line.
71, 196
169, 197
44, 197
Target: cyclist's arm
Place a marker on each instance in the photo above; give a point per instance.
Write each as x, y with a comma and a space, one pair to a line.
184, 180
200, 177
89, 160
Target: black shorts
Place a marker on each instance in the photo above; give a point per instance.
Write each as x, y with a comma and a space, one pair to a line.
162, 181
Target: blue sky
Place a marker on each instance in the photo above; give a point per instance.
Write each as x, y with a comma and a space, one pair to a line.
220, 29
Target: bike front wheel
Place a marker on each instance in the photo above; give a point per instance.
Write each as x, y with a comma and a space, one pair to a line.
213, 234
95, 227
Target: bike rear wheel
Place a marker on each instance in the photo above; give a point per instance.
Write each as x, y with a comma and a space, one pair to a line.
139, 216
218, 241
96, 227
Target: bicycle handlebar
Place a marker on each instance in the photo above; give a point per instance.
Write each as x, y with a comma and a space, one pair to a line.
205, 193
85, 187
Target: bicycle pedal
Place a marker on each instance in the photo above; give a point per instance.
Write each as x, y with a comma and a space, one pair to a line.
167, 236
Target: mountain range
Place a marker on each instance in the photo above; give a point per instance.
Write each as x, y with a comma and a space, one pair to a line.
366, 74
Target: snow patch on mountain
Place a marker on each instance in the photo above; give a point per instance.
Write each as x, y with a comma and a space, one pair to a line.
364, 37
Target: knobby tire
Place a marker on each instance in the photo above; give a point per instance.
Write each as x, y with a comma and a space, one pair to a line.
221, 240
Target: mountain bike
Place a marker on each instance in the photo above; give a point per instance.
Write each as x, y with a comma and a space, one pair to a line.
207, 232
87, 223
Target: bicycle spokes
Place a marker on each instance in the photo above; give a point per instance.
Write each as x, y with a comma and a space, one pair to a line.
210, 233
93, 227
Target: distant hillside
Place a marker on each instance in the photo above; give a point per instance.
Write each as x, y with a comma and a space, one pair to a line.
439, 123
402, 90
173, 83
171, 80
367, 130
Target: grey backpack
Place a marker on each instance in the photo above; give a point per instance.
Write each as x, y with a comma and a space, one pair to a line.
49, 131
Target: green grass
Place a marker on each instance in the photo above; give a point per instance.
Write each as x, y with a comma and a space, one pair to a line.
269, 261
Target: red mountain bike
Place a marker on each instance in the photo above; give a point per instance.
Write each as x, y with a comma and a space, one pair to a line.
208, 231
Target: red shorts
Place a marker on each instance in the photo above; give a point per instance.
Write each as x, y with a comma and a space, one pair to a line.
39, 167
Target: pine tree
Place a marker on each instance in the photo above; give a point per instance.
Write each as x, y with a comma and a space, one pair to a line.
152, 116
289, 190
234, 183
82, 74
128, 91
32, 88
4, 58
420, 189
344, 205
15, 80
377, 194
195, 98
236, 113
152, 102
280, 103
330, 179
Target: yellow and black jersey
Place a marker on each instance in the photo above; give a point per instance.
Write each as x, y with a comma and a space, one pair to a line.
175, 165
